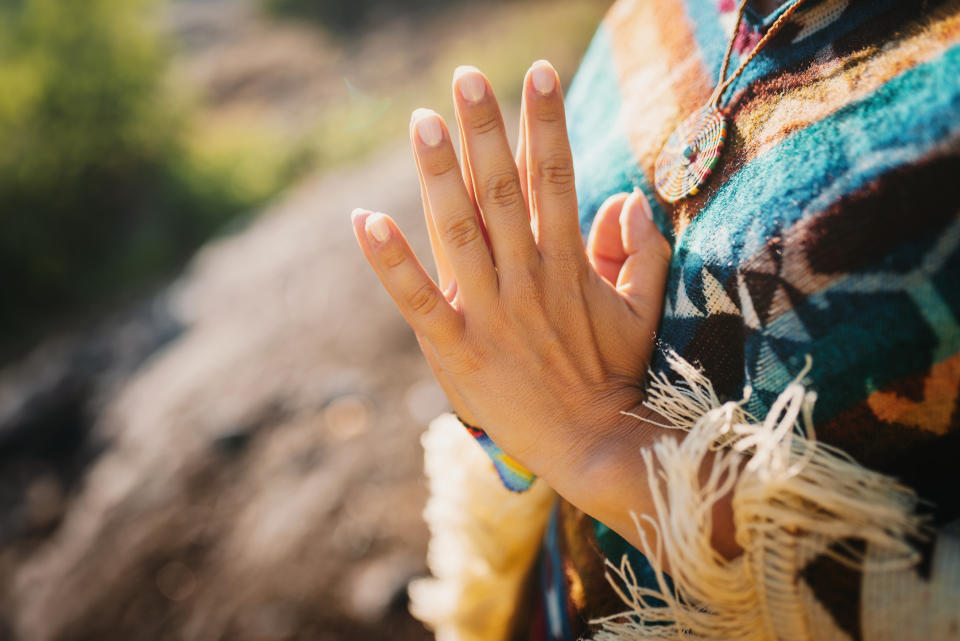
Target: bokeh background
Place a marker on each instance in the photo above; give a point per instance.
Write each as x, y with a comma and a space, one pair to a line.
209, 410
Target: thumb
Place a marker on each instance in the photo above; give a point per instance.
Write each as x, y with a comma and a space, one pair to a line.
605, 242
643, 276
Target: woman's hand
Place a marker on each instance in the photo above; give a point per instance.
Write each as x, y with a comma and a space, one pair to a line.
534, 340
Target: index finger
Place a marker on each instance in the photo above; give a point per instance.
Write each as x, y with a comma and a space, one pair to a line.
419, 299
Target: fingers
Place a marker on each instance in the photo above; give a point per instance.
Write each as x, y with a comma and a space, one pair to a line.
455, 222
553, 195
445, 276
521, 160
493, 171
465, 164
605, 244
418, 297
644, 273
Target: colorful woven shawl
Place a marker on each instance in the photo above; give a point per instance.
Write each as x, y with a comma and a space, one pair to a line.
829, 228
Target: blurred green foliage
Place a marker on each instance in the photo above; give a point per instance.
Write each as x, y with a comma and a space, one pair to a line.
501, 38
347, 15
101, 187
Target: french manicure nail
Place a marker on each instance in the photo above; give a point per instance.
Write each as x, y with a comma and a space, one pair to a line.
647, 210
470, 84
377, 228
544, 77
639, 201
427, 125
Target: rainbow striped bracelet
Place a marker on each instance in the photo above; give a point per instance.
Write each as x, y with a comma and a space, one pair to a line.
514, 476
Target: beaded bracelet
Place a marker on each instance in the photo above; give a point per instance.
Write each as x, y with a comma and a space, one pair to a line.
514, 476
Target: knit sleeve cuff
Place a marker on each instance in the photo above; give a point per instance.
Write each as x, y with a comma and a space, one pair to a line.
484, 539
796, 502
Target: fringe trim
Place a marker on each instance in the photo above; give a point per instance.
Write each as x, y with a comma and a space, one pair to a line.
794, 498
484, 539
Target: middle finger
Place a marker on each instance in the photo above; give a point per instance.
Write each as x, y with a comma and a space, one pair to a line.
494, 172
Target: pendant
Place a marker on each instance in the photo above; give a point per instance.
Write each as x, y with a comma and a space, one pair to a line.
690, 154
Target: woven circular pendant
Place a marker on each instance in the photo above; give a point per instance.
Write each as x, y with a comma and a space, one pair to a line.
690, 154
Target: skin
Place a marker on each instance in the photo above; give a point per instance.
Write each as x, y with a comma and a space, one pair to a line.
543, 342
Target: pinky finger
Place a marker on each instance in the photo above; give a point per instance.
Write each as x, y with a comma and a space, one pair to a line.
419, 299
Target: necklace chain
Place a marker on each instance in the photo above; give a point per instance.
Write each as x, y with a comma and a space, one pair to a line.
692, 151
722, 83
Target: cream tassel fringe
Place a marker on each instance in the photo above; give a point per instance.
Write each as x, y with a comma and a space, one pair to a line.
484, 539
793, 500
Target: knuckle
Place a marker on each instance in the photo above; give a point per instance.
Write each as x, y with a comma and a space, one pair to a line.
485, 122
424, 299
557, 172
663, 248
440, 164
504, 190
528, 290
532, 297
550, 116
392, 255
462, 230
466, 360
568, 262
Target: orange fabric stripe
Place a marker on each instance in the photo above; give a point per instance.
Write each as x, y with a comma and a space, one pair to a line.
662, 77
660, 71
811, 94
934, 412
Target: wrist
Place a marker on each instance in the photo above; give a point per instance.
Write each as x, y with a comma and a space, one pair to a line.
605, 476
611, 480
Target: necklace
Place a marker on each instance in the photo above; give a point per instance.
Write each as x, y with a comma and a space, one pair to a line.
693, 149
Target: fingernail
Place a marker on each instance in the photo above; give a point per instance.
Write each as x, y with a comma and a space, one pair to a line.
544, 77
643, 203
359, 211
427, 125
636, 205
377, 228
470, 83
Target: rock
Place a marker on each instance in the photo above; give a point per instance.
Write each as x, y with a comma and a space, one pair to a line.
380, 584
236, 462
347, 416
49, 402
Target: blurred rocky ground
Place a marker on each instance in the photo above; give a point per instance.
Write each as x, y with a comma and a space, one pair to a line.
237, 456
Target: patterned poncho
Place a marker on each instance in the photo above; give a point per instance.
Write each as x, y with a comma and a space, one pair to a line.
829, 230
